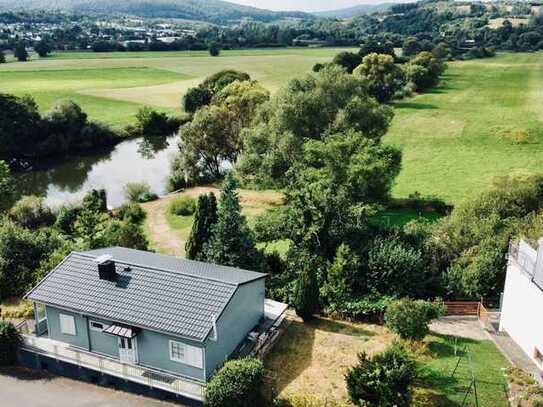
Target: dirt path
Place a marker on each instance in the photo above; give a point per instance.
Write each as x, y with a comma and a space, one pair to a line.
166, 240
163, 238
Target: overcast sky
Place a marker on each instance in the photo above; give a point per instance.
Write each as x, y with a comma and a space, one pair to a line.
305, 5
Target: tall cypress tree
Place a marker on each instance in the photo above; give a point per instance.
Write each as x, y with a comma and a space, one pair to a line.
204, 219
306, 299
232, 242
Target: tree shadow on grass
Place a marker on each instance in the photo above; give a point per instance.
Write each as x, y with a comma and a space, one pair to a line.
24, 373
291, 355
415, 106
345, 328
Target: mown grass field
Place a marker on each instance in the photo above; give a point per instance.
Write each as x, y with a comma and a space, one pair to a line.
112, 86
484, 121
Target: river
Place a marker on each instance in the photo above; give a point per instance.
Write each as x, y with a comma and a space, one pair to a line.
129, 161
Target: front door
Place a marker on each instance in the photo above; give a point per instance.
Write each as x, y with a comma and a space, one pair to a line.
128, 352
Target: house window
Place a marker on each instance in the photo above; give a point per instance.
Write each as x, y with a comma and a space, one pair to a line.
67, 324
189, 355
40, 312
97, 326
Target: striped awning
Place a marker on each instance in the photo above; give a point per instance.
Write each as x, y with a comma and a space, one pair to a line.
122, 331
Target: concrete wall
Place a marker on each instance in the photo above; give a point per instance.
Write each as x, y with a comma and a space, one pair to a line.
520, 318
81, 339
240, 316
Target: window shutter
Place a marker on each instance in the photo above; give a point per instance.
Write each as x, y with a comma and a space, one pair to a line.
194, 356
67, 324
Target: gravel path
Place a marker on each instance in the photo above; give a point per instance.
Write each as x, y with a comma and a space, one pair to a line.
465, 327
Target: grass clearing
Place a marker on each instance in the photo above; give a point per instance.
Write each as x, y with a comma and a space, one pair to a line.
437, 387
485, 120
310, 361
168, 233
111, 87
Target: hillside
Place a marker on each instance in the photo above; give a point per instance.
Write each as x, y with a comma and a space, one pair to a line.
213, 11
355, 11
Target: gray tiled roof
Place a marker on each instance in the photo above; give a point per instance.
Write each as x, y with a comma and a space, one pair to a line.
181, 302
195, 268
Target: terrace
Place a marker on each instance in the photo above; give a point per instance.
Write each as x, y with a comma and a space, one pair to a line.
41, 345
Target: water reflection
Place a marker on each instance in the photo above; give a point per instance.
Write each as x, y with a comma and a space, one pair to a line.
134, 160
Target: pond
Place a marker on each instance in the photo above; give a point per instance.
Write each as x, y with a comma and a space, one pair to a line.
130, 161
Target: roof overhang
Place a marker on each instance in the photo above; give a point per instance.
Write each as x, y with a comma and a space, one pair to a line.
122, 331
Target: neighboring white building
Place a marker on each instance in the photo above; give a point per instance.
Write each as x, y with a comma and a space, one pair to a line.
523, 299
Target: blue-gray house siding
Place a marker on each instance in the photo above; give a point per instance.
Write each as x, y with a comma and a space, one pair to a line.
241, 315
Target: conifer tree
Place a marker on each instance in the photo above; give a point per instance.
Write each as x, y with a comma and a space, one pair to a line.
2, 57
20, 52
306, 300
232, 242
204, 219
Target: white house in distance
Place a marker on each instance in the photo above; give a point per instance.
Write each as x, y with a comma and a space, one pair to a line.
523, 299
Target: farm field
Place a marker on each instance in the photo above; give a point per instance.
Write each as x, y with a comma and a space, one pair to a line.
484, 121
112, 86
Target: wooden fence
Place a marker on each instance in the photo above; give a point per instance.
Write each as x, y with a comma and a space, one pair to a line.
463, 308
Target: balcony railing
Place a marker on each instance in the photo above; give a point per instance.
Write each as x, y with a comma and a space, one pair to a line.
134, 373
521, 258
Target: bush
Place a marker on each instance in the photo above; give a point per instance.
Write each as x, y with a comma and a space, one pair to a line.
182, 206
410, 318
31, 212
10, 340
132, 213
382, 380
139, 192
66, 218
237, 384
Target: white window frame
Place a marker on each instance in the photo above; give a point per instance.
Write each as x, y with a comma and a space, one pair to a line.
67, 324
44, 318
93, 328
192, 355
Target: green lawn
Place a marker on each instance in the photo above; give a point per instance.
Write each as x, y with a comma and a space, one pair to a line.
111, 87
402, 216
485, 120
437, 387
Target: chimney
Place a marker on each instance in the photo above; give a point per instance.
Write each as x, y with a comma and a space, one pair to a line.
106, 267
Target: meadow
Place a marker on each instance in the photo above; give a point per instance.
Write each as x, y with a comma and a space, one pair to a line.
484, 121
111, 87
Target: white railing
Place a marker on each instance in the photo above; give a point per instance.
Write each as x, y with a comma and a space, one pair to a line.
150, 377
525, 261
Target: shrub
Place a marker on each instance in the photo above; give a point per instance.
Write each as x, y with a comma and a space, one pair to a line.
382, 380
31, 212
10, 340
182, 206
410, 318
237, 384
132, 213
66, 218
139, 192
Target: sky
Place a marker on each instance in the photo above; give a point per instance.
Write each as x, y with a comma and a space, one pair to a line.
305, 5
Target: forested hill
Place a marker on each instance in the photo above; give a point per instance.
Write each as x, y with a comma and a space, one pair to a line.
213, 11
354, 11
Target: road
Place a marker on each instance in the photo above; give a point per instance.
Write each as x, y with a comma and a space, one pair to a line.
30, 389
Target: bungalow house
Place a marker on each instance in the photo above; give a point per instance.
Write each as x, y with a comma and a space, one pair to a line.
523, 298
162, 321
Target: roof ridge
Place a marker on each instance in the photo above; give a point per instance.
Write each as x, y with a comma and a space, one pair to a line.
163, 269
